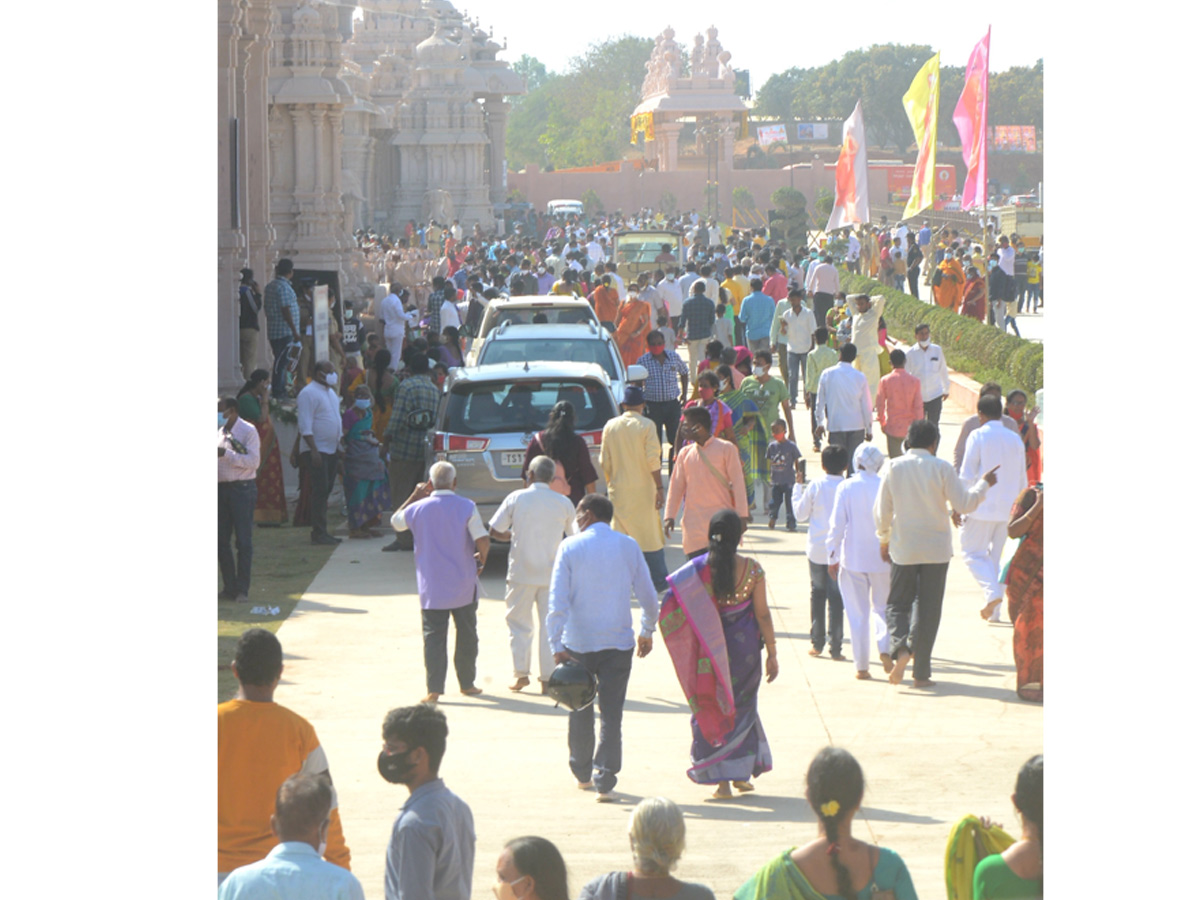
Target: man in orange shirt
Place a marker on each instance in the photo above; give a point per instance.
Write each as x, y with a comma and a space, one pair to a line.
898, 403
261, 744
606, 301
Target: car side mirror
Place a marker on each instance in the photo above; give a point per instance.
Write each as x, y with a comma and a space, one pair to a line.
636, 373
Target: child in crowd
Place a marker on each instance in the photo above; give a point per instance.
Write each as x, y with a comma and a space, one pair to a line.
723, 327
785, 461
668, 333
813, 502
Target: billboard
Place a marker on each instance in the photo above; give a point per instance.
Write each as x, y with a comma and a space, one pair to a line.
772, 134
1013, 138
812, 131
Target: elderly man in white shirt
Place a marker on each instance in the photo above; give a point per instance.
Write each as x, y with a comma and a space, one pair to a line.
927, 363
985, 530
913, 526
319, 419
854, 559
535, 519
844, 404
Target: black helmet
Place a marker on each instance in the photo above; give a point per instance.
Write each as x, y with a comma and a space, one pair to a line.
572, 685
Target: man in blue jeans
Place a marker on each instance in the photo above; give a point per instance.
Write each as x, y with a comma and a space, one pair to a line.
595, 573
283, 322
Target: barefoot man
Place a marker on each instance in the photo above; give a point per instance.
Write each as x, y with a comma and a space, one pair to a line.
913, 526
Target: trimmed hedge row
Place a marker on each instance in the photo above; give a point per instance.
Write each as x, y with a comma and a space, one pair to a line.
976, 349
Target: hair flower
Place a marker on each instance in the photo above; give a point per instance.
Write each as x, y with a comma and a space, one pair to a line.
830, 809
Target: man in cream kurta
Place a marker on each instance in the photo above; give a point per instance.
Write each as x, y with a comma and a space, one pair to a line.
707, 479
631, 457
864, 332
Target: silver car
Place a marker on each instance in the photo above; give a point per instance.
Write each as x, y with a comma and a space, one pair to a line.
586, 342
489, 414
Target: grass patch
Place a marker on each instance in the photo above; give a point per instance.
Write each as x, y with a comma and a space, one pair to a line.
285, 563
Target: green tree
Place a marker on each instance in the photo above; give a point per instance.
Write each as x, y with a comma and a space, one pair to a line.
775, 98
1015, 96
742, 198
533, 71
792, 206
592, 205
824, 204
581, 117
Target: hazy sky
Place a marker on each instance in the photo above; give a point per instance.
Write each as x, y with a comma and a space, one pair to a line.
765, 38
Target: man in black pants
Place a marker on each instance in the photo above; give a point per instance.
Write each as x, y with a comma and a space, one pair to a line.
663, 392
913, 526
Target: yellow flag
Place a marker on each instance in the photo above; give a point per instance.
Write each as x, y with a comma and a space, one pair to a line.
921, 107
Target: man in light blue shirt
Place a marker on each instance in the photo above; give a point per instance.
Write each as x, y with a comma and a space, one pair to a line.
757, 312
595, 573
294, 868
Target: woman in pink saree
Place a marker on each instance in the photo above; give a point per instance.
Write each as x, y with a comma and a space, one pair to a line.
715, 623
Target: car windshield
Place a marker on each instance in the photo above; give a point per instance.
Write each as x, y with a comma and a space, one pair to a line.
523, 406
523, 315
644, 248
588, 350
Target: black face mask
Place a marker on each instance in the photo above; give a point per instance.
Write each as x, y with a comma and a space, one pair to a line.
395, 767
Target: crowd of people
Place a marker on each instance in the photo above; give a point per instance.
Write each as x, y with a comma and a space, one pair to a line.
879, 526
279, 827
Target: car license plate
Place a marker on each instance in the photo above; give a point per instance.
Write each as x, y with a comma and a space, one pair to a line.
514, 459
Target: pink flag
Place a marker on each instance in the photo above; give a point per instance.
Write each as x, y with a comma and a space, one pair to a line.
971, 119
850, 206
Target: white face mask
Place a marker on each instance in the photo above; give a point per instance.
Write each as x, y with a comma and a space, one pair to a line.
724, 385
331, 379
758, 370
924, 344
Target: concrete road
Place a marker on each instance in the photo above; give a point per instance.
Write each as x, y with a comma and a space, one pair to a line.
353, 651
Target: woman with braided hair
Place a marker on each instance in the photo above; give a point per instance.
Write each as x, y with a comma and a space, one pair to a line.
835, 866
1016, 874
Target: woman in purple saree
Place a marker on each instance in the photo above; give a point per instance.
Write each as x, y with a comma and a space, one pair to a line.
715, 622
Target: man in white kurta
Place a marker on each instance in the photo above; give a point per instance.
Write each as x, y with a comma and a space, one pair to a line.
864, 332
631, 457
535, 519
985, 530
864, 577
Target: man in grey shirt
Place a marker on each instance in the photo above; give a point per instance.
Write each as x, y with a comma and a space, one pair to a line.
432, 851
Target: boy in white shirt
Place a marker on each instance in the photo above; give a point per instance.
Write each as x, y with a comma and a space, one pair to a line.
813, 502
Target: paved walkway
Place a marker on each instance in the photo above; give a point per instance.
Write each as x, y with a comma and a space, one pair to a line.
353, 651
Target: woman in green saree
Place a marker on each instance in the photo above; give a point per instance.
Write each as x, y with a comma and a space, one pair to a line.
749, 432
838, 867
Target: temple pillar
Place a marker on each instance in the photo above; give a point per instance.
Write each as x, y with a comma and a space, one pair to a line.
497, 127
666, 139
255, 182
231, 243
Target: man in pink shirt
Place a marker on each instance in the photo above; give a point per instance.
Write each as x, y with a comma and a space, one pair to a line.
775, 286
898, 403
708, 476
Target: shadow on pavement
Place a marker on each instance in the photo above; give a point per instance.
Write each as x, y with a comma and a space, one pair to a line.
315, 606
950, 689
753, 807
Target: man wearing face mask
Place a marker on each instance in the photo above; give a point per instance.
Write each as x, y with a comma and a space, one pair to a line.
431, 853
319, 420
294, 867
927, 362
672, 293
